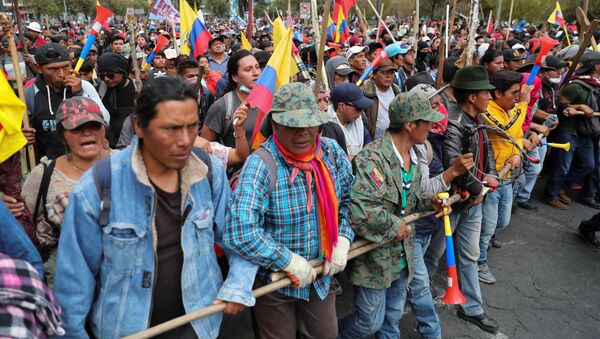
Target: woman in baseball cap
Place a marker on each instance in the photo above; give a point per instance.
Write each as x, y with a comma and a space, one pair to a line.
82, 131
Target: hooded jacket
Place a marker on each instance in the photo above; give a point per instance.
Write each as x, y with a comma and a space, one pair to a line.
330, 67
42, 104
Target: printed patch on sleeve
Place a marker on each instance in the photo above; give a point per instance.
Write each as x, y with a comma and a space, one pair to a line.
376, 177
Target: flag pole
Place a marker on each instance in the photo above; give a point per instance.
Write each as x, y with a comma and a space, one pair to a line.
268, 17
320, 67
417, 25
381, 21
446, 45
134, 61
8, 27
250, 26
512, 3
566, 33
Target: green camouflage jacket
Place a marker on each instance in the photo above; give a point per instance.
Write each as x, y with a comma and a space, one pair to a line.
375, 205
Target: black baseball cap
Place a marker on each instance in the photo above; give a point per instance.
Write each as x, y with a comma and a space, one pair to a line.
350, 93
218, 37
555, 63
51, 53
512, 55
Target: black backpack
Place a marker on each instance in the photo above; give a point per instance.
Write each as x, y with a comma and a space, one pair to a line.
103, 178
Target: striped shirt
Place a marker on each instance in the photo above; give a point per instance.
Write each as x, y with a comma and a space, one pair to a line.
266, 227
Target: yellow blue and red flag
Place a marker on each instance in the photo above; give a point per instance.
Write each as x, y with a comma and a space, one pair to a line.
276, 73
556, 17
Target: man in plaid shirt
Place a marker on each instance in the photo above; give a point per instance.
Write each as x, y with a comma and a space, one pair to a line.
291, 206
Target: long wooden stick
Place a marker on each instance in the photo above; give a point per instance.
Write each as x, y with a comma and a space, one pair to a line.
280, 280
587, 37
381, 21
19, 79
440, 66
584, 23
320, 67
134, 61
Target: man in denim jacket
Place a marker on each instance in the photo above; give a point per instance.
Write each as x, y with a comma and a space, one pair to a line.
154, 260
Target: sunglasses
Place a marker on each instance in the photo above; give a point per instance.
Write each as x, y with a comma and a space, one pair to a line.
107, 75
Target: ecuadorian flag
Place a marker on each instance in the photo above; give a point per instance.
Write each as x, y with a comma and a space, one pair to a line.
276, 73
556, 17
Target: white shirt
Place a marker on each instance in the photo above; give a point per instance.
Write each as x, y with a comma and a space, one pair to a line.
383, 118
354, 132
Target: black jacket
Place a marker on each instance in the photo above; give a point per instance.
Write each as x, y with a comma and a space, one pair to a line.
459, 125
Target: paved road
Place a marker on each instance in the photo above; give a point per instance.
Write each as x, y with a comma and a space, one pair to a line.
548, 283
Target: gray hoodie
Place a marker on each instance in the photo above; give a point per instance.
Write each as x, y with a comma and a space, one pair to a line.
330, 67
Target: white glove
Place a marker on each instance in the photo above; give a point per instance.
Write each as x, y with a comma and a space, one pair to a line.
339, 257
300, 271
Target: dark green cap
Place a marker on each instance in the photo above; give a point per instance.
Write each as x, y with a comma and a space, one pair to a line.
472, 78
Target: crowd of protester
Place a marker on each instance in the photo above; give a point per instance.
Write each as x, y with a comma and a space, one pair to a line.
148, 201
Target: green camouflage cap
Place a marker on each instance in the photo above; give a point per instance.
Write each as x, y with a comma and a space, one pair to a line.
295, 105
407, 107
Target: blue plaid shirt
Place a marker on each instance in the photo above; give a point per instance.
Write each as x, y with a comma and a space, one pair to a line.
266, 228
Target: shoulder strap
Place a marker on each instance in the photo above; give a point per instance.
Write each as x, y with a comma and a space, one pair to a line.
102, 90
102, 177
229, 110
30, 99
268, 159
40, 201
205, 157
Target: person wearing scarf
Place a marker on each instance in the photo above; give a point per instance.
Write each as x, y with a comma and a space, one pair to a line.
388, 188
291, 206
117, 92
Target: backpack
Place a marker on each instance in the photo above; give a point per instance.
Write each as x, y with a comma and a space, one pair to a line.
271, 164
103, 178
589, 127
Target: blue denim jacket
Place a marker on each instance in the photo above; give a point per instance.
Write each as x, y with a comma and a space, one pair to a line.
106, 275
14, 241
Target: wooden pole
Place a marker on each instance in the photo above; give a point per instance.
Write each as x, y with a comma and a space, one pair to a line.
134, 61
381, 21
280, 279
417, 26
452, 17
586, 4
7, 27
315, 20
250, 26
21, 29
268, 17
440, 67
584, 23
321, 50
587, 37
512, 3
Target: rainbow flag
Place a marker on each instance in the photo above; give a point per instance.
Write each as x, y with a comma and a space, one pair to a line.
556, 17
276, 73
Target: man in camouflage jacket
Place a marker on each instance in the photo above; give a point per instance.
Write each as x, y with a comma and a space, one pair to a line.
386, 188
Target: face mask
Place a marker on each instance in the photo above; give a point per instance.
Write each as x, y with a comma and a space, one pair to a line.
192, 81
554, 81
245, 89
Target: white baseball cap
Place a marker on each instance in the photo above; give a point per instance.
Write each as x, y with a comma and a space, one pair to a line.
355, 50
518, 46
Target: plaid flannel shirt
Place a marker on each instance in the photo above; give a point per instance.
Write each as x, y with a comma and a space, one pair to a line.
27, 305
265, 228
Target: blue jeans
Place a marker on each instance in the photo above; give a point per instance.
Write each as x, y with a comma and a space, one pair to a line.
378, 311
563, 174
528, 179
419, 294
496, 215
468, 229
